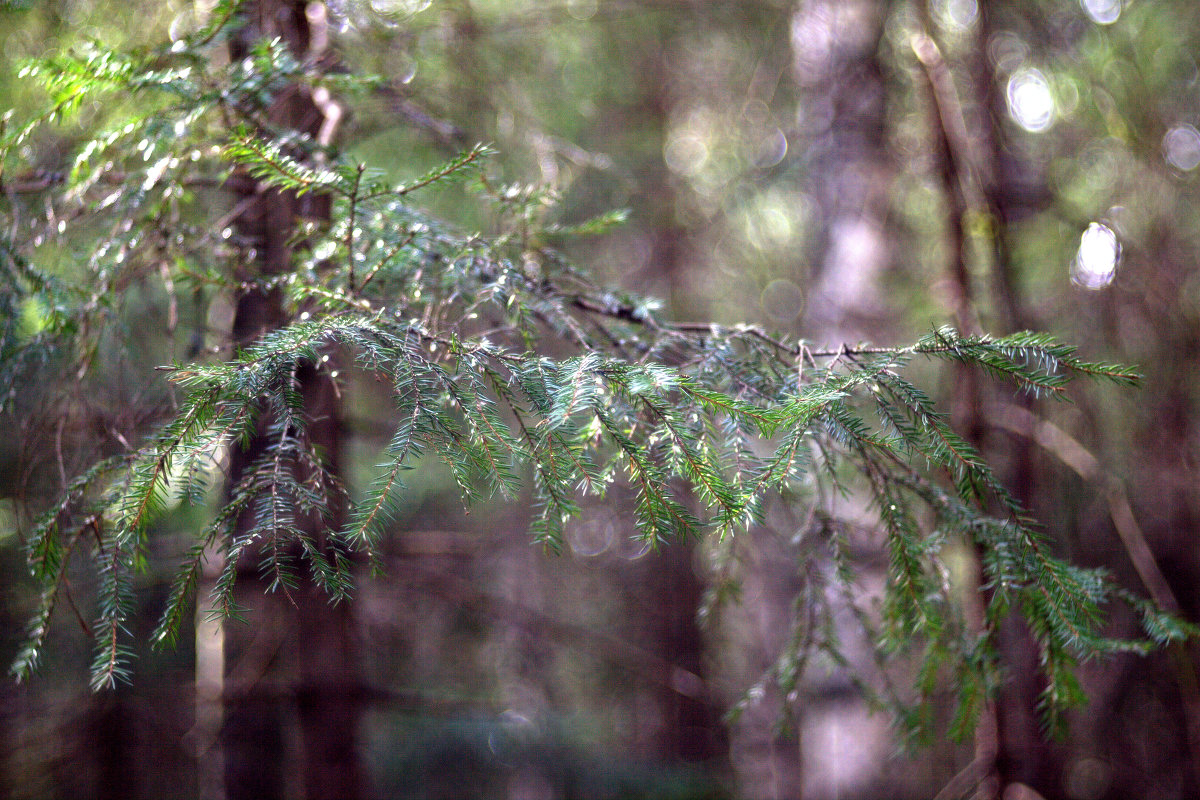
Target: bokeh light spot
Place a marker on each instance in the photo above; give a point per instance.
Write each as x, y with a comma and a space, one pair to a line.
782, 301
582, 10
958, 14
1030, 101
591, 537
1181, 147
1095, 263
771, 149
1102, 12
399, 8
685, 155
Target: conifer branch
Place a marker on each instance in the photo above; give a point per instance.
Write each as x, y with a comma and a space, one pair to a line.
702, 423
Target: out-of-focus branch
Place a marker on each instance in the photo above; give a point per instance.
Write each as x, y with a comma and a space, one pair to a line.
965, 180
1074, 455
33, 182
968, 206
962, 193
443, 130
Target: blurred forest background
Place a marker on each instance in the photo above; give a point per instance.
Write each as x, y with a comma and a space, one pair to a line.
843, 170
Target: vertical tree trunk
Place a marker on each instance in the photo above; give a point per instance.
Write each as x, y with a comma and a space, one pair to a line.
841, 749
291, 705
686, 727
842, 114
1021, 751
980, 180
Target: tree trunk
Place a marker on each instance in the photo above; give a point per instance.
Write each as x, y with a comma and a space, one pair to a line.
840, 750
842, 117
290, 694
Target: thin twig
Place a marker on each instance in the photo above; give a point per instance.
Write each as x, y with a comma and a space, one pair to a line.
353, 221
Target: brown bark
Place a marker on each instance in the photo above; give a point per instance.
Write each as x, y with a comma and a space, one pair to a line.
295, 670
691, 730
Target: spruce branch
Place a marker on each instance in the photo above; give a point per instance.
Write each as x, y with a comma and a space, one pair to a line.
267, 162
509, 365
